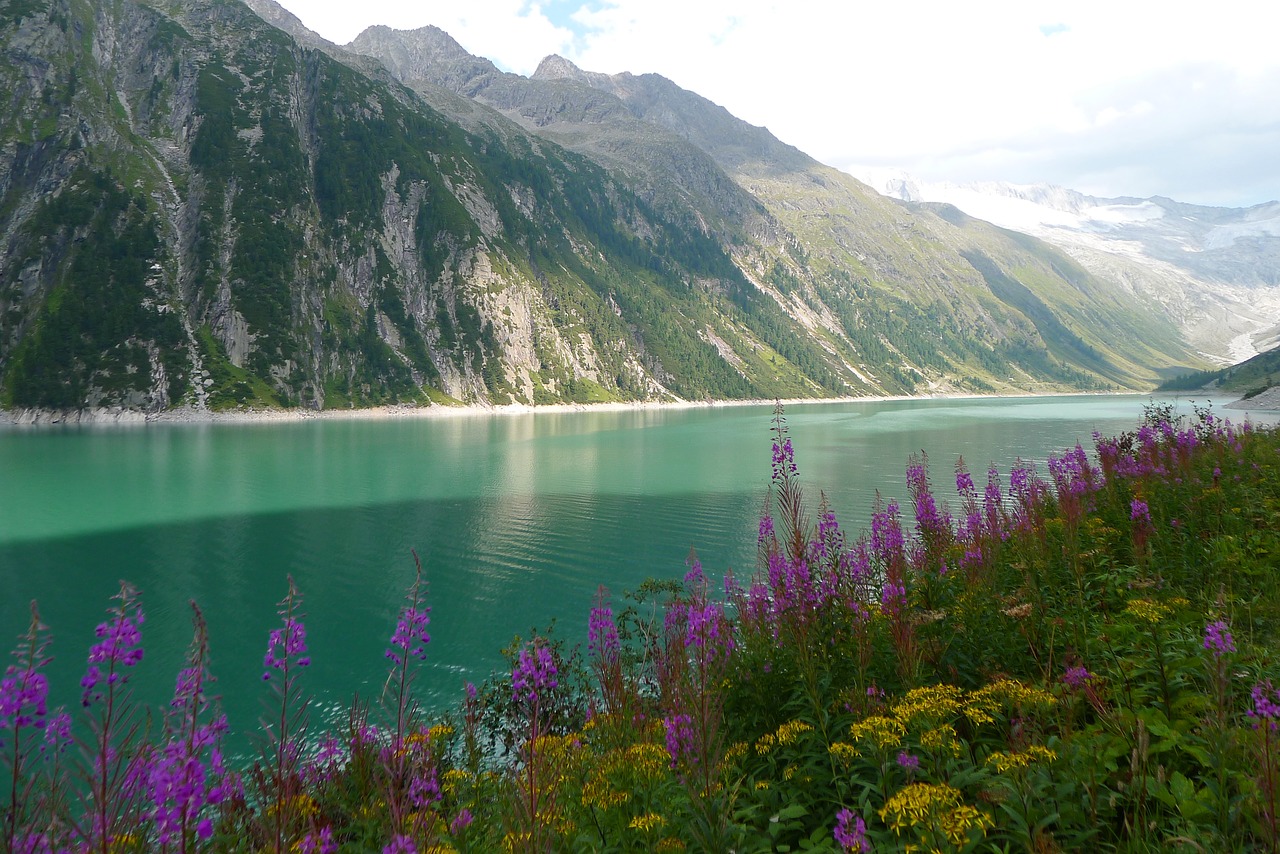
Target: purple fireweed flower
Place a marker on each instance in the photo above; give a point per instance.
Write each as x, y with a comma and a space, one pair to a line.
400, 845
24, 699
119, 646
759, 603
856, 564
1218, 639
993, 505
534, 674
851, 833
893, 598
928, 520
460, 822
792, 585
707, 629
178, 790
323, 765
1028, 490
679, 738
1077, 677
784, 461
410, 637
24, 690
766, 530
424, 788
318, 843
1265, 710
886, 534
908, 761
57, 733
1139, 512
732, 589
829, 542
36, 843
178, 781
602, 631
365, 737
285, 646
695, 577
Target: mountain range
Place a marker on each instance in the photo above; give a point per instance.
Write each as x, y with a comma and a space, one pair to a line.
1215, 270
204, 204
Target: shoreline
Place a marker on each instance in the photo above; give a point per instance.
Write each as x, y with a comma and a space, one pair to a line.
1268, 401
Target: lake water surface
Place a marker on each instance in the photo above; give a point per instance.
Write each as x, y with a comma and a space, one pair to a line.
517, 518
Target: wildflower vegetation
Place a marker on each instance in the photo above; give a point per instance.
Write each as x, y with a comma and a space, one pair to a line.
1081, 660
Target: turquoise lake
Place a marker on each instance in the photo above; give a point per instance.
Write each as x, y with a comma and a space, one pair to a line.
517, 519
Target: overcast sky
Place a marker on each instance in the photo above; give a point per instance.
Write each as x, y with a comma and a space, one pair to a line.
1116, 98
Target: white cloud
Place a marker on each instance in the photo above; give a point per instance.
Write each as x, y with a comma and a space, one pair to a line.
1087, 92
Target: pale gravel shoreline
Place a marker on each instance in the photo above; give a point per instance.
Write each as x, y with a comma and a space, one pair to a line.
1267, 401
191, 415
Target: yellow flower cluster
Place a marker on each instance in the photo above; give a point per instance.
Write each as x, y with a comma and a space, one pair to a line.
1147, 610
929, 704
598, 793
883, 732
644, 762
844, 752
647, 822
1005, 693
556, 746
668, 845
942, 738
785, 734
300, 805
930, 807
513, 842
956, 823
123, 842
1005, 762
453, 780
791, 730
736, 751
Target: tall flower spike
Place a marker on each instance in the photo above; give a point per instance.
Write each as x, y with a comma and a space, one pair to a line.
1218, 639
24, 698
534, 673
602, 631
119, 646
410, 638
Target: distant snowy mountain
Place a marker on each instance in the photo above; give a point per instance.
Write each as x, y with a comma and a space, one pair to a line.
1217, 270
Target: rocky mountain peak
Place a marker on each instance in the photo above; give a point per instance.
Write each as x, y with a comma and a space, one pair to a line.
282, 19
410, 52
556, 67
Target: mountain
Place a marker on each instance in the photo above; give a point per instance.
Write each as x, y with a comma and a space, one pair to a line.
1250, 378
787, 217
206, 205
1216, 270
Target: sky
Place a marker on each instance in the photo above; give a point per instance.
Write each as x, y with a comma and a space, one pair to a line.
1116, 98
